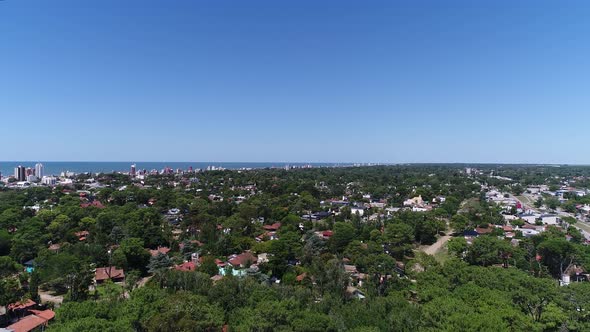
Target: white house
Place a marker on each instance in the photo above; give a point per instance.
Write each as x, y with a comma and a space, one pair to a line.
355, 210
549, 219
528, 217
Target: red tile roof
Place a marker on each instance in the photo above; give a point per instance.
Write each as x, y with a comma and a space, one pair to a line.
102, 273
155, 252
480, 230
96, 204
47, 314
81, 233
186, 266
196, 242
301, 277
242, 259
22, 305
273, 227
33, 321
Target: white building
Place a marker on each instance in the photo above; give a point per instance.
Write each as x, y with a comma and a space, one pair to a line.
416, 201
39, 170
549, 219
357, 210
528, 217
49, 180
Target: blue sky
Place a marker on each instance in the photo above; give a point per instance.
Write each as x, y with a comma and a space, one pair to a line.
309, 81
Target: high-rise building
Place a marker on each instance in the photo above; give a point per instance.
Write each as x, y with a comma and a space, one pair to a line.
39, 170
132, 172
29, 171
20, 173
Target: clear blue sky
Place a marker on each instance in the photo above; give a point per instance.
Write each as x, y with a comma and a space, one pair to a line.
334, 81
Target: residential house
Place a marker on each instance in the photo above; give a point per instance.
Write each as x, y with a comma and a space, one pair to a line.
243, 260
549, 219
415, 201
103, 274
36, 319
96, 203
186, 266
528, 217
355, 293
272, 228
357, 210
82, 235
155, 252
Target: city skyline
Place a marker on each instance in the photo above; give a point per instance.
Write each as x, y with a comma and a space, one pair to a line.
345, 82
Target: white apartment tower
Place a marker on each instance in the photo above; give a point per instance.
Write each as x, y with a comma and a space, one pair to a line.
39, 171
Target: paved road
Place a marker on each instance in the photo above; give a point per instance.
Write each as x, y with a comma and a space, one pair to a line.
581, 225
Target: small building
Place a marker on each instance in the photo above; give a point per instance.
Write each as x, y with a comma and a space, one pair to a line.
528, 217
29, 265
243, 260
97, 204
155, 252
37, 319
186, 266
355, 293
103, 274
54, 247
272, 228
357, 210
549, 219
82, 235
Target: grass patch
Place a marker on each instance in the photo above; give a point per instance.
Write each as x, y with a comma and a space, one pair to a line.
442, 255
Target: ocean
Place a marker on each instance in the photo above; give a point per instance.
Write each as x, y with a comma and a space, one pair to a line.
56, 167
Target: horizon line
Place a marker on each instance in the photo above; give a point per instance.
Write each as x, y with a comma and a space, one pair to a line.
301, 162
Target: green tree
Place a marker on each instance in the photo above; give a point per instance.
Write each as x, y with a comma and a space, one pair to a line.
398, 237
558, 254
457, 246
209, 266
533, 296
344, 233
159, 263
132, 255
459, 223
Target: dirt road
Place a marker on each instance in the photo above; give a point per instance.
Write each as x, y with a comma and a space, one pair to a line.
437, 246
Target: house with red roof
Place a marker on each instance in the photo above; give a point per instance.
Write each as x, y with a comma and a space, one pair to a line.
155, 252
23, 305
186, 266
103, 274
193, 242
267, 236
82, 235
38, 318
301, 277
243, 260
220, 263
272, 228
97, 204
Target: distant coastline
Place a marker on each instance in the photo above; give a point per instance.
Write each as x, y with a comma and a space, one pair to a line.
56, 167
